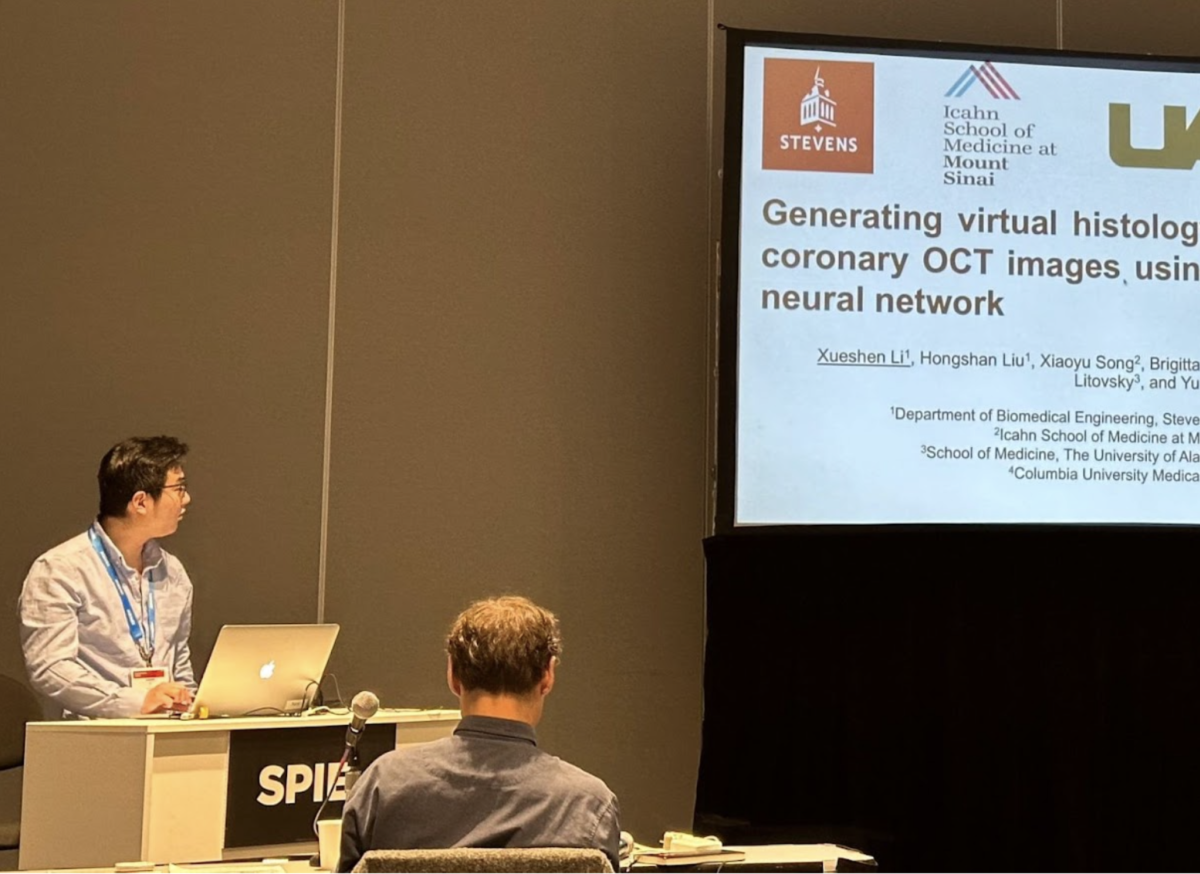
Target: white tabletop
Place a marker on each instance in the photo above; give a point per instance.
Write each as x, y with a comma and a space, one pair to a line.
162, 724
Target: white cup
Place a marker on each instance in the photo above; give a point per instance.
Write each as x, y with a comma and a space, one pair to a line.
329, 841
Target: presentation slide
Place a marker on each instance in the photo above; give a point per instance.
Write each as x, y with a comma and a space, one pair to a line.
968, 290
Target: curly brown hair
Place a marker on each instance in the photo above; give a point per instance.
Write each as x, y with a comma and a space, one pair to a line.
503, 645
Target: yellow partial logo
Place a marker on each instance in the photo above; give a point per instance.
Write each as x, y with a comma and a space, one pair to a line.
1181, 140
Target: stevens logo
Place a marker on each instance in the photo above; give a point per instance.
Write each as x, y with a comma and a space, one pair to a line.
819, 115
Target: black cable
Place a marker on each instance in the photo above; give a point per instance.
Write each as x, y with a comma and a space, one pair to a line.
304, 696
274, 711
341, 702
329, 784
319, 694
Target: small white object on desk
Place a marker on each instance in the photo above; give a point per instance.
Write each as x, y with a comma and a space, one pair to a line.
767, 855
679, 842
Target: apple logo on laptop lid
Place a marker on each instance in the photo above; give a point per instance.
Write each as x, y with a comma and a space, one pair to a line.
267, 670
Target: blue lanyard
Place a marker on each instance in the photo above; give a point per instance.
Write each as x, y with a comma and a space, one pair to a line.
135, 627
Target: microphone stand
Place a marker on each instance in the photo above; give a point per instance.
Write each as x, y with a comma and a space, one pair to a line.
315, 859
350, 767
352, 770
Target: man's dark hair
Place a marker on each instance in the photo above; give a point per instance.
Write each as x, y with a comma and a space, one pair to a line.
503, 645
139, 464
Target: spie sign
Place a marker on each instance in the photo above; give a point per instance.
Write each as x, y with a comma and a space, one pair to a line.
278, 778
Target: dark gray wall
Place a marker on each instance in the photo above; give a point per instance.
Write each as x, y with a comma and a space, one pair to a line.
519, 385
520, 328
520, 389
164, 250
164, 240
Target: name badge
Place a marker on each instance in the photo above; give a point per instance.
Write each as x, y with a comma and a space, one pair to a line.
145, 679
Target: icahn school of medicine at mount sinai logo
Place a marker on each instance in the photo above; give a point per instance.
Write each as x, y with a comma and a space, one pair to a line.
818, 115
989, 77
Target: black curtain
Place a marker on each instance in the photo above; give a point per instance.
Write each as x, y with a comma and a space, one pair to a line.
977, 699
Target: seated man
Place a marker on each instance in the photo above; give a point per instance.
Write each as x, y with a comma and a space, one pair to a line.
106, 616
488, 785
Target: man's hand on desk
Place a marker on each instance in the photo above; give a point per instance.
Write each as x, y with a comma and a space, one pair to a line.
167, 697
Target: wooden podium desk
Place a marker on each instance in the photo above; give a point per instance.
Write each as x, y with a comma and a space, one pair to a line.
98, 792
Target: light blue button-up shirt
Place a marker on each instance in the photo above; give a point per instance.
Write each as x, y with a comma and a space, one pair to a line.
78, 649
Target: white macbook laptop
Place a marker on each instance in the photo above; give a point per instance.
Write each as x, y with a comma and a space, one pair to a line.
264, 670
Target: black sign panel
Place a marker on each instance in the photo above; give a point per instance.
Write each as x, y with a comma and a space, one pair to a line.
278, 778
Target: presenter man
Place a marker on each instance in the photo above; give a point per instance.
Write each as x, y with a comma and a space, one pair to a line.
105, 616
488, 785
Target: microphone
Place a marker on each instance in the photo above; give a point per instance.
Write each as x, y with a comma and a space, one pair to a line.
364, 706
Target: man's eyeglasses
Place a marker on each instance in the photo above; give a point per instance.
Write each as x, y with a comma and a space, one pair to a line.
177, 487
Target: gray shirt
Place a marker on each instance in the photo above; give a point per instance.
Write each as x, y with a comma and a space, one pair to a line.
486, 786
76, 640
